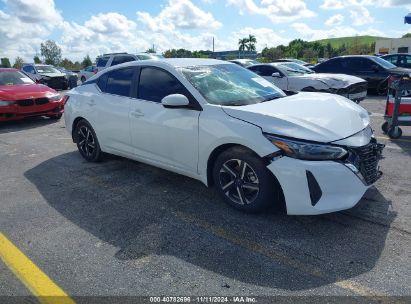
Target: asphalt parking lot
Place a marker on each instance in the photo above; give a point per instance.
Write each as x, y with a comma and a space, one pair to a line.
122, 228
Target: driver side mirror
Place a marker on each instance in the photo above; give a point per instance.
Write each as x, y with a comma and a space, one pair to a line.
276, 75
175, 101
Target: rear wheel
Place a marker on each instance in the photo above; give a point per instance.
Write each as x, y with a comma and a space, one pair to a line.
243, 180
87, 142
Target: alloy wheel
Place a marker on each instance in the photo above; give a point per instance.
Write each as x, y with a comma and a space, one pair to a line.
86, 141
239, 181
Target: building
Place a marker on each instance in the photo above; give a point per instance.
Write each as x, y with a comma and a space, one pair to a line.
395, 45
227, 55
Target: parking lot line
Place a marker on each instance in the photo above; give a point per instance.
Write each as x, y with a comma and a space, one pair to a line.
39, 284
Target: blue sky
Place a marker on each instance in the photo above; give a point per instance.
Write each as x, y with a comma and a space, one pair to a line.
92, 26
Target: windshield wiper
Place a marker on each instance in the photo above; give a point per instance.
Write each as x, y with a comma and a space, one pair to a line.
271, 98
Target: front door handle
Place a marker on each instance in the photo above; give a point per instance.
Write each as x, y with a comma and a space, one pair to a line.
137, 113
91, 103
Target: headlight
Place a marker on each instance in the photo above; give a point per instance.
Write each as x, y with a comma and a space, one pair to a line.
4, 103
307, 150
56, 97
45, 77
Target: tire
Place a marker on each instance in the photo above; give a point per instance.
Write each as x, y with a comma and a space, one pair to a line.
83, 79
384, 127
394, 132
243, 180
56, 117
87, 142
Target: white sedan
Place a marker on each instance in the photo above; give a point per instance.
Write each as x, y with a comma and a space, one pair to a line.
290, 76
221, 124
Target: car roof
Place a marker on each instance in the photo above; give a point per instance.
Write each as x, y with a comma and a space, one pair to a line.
176, 62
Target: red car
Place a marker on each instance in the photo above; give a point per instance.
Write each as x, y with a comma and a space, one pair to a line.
21, 97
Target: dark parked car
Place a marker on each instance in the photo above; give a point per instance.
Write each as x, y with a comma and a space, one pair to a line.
400, 60
373, 69
47, 75
245, 63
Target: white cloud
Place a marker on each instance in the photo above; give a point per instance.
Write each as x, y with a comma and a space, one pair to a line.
278, 11
181, 14
24, 24
332, 4
335, 20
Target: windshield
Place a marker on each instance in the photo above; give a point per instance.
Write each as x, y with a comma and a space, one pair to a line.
293, 69
46, 69
230, 85
13, 78
383, 62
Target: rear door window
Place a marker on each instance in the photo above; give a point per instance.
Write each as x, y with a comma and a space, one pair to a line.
332, 65
358, 64
119, 82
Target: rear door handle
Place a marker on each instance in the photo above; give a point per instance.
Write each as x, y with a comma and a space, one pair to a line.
137, 113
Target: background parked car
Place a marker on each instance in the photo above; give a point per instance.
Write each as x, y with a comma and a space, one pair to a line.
72, 77
373, 69
21, 97
149, 56
108, 60
290, 76
87, 72
244, 62
46, 74
400, 60
292, 60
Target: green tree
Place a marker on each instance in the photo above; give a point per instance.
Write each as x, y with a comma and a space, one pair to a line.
408, 35
36, 59
151, 50
242, 45
67, 63
18, 62
86, 61
51, 52
180, 53
5, 62
251, 42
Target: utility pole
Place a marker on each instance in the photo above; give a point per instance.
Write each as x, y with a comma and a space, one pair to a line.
213, 48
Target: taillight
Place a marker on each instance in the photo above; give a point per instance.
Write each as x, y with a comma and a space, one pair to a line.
65, 99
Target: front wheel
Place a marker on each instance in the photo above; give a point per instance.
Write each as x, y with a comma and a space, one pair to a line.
243, 180
87, 142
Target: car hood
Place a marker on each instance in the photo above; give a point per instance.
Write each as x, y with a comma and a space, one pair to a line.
333, 80
52, 74
317, 117
23, 91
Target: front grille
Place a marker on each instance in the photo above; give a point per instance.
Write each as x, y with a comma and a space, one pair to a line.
366, 160
41, 101
357, 88
25, 102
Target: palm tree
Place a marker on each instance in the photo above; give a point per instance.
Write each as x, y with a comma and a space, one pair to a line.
242, 44
251, 42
